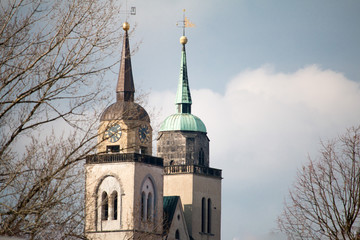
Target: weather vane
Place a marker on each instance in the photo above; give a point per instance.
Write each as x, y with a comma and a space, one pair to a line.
185, 23
128, 12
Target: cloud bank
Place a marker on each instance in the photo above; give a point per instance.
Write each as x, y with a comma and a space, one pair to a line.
261, 130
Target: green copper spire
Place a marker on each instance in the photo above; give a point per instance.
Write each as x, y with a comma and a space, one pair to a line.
183, 96
183, 120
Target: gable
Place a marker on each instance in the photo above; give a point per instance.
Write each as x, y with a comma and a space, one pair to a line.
174, 220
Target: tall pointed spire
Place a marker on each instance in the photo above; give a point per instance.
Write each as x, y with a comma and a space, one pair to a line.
183, 120
125, 87
183, 97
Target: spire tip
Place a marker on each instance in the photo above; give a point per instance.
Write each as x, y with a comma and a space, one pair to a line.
126, 26
183, 40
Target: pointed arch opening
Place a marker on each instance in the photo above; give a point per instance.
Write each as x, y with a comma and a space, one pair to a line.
148, 200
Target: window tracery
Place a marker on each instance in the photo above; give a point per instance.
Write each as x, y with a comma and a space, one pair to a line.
109, 199
147, 200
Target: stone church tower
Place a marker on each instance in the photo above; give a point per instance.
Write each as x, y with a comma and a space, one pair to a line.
124, 183
133, 195
184, 146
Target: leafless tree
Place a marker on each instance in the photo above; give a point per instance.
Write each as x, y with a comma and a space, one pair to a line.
325, 200
53, 58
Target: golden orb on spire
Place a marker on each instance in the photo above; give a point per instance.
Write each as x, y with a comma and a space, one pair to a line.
126, 26
183, 40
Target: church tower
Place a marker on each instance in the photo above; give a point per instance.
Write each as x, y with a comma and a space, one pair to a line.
124, 183
184, 146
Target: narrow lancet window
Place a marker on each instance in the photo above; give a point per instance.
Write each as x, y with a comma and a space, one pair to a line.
104, 206
201, 157
209, 216
143, 206
149, 207
114, 198
203, 213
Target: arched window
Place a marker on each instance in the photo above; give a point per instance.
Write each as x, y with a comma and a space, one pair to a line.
201, 157
108, 204
148, 199
209, 216
203, 214
114, 205
143, 209
149, 206
104, 206
177, 234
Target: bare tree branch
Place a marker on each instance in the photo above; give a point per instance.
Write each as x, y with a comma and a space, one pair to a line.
325, 200
53, 57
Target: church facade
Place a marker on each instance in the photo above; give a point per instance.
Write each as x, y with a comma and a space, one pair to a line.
131, 194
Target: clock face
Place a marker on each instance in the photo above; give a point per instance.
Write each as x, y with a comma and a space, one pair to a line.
144, 133
113, 133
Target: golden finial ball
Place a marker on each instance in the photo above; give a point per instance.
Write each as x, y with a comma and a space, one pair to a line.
183, 40
126, 26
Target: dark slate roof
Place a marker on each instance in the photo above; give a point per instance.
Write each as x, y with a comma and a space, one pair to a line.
170, 203
125, 108
125, 111
125, 87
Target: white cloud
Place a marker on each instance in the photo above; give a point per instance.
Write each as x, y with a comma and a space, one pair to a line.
262, 129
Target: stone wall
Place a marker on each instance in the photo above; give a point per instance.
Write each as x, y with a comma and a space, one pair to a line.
180, 148
127, 179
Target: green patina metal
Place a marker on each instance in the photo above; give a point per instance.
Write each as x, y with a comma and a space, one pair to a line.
183, 95
183, 122
169, 203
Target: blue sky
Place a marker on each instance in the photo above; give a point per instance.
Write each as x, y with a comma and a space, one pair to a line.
231, 36
270, 79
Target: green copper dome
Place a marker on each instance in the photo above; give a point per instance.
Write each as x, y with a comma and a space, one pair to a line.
183, 122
